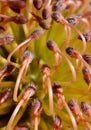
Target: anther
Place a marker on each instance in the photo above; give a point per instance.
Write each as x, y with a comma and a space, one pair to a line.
86, 108
36, 110
38, 4
37, 33
6, 70
52, 46
19, 19
29, 92
6, 39
57, 123
73, 107
87, 36
21, 127
45, 69
45, 13
4, 96
16, 5
2, 29
1, 19
44, 24
57, 89
27, 55
87, 58
58, 5
73, 20
86, 75
72, 52
56, 16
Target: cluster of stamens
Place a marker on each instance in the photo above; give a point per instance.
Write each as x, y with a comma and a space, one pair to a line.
18, 76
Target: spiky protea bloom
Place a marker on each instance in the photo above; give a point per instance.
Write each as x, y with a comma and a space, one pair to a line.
45, 64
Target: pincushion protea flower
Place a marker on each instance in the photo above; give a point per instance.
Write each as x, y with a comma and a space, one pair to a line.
45, 72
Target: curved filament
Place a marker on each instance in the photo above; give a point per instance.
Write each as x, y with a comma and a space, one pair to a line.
71, 68
22, 71
18, 47
64, 22
9, 126
68, 36
82, 37
84, 62
15, 98
70, 114
58, 60
85, 21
